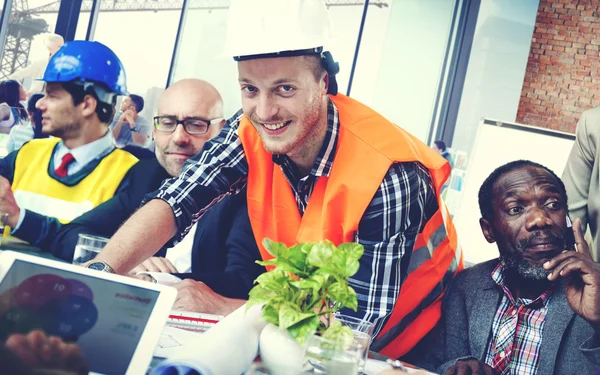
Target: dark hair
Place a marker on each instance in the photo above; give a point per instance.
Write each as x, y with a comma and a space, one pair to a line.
36, 116
105, 111
10, 93
440, 144
137, 101
485, 191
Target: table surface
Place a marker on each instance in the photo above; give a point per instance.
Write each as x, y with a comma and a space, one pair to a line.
14, 244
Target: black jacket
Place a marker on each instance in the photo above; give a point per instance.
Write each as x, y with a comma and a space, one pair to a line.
224, 251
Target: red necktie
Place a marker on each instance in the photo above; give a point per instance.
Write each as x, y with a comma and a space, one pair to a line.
62, 170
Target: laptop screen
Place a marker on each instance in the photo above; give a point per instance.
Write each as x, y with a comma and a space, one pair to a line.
105, 318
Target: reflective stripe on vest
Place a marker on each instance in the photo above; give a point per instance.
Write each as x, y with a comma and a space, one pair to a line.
63, 210
368, 145
37, 191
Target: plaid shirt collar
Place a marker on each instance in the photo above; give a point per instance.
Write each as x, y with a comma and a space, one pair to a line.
322, 165
498, 275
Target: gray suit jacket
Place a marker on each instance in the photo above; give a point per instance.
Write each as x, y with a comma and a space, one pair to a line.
569, 345
582, 176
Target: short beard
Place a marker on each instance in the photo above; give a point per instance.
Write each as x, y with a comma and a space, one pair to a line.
517, 265
65, 130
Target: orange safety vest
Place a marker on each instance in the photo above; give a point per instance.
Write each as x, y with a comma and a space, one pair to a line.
368, 145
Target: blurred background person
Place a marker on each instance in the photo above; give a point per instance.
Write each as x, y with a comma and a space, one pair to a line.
36, 69
439, 146
29, 130
11, 110
128, 127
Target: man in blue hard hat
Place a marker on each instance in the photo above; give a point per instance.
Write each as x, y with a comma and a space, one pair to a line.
60, 178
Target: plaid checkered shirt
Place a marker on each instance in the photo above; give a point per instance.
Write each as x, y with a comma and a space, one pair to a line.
388, 229
516, 331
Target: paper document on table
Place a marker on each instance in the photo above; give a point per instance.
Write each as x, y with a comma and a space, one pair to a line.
228, 348
175, 340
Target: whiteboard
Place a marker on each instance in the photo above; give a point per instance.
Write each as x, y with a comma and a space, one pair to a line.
498, 143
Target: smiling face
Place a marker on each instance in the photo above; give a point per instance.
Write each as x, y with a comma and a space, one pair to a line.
184, 99
286, 102
528, 222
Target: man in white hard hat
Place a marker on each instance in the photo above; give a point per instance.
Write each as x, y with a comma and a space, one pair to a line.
317, 166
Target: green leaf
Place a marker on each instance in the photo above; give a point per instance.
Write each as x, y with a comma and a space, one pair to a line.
309, 283
339, 334
259, 295
273, 280
277, 249
270, 314
353, 249
320, 255
344, 263
290, 314
304, 330
297, 257
343, 294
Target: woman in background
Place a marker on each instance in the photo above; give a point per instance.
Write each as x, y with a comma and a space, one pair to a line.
25, 132
11, 110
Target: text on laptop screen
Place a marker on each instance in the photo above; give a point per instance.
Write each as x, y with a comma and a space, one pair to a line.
105, 318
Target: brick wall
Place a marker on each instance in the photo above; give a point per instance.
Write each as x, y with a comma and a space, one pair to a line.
562, 77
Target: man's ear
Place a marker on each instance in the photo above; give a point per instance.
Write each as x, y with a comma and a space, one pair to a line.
325, 80
488, 230
88, 105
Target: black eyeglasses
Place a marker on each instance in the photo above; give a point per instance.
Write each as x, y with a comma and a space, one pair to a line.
192, 125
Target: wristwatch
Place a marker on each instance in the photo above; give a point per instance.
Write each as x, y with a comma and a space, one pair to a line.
101, 266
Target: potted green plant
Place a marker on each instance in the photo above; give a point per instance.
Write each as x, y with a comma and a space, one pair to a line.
300, 296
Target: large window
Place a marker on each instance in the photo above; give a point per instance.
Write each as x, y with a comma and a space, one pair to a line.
496, 68
407, 75
143, 35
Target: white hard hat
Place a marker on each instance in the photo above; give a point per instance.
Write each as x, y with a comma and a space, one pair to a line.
278, 27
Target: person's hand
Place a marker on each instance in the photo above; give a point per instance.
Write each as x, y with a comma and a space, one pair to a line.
582, 278
128, 116
8, 204
155, 264
46, 352
470, 366
196, 296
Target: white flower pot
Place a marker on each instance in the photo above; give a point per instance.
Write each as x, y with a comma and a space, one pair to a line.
280, 352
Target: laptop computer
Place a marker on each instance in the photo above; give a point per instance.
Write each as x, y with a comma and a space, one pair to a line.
116, 321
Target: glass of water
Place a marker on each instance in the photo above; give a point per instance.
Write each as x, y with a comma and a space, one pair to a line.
363, 332
333, 357
88, 247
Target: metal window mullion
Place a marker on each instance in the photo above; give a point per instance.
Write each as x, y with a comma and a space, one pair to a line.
91, 30
8, 4
178, 37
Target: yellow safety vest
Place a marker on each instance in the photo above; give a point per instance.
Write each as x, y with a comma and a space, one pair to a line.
36, 190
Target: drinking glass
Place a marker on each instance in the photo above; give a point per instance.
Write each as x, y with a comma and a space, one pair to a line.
3, 219
363, 332
333, 357
88, 247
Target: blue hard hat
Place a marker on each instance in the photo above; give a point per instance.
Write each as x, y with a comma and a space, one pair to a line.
84, 61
